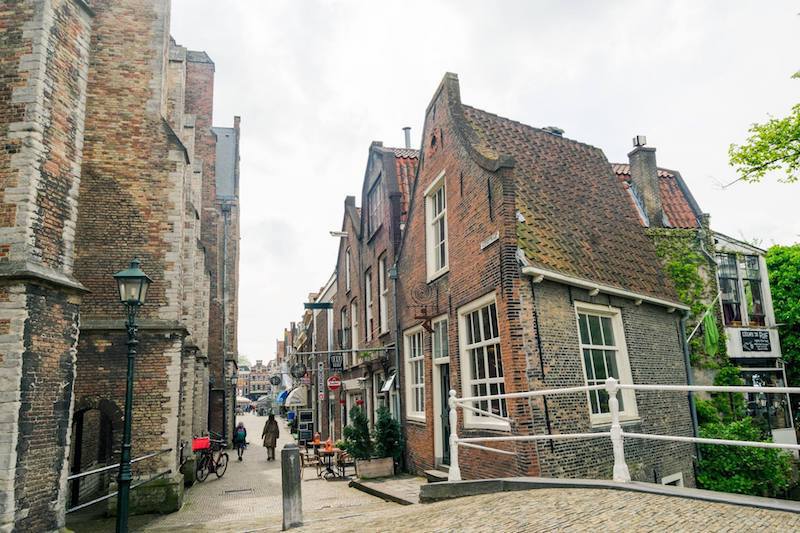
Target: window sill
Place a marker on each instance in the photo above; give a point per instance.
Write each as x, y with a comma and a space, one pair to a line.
438, 274
605, 422
420, 419
471, 423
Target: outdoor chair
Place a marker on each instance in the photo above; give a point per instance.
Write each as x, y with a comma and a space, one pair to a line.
309, 457
343, 460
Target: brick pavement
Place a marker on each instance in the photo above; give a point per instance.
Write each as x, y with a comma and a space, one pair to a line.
565, 510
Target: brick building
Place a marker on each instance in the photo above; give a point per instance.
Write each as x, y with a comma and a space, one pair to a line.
521, 268
731, 278
108, 154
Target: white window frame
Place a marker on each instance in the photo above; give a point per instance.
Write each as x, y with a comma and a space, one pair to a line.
436, 346
623, 362
383, 295
347, 270
412, 387
374, 208
432, 243
368, 323
471, 420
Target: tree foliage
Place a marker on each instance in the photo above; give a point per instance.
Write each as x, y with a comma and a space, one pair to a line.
783, 263
356, 435
388, 437
743, 470
772, 146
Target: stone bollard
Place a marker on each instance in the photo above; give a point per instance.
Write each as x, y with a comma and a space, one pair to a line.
290, 485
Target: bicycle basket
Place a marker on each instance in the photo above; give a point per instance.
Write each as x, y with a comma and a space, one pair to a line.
201, 443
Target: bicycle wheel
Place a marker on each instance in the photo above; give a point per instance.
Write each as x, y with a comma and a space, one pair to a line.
202, 468
222, 465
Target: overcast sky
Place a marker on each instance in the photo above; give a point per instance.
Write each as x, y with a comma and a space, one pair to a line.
316, 82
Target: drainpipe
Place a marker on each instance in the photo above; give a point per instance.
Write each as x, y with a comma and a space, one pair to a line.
225, 383
393, 275
689, 378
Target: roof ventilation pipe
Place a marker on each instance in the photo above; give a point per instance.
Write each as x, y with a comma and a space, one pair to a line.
407, 132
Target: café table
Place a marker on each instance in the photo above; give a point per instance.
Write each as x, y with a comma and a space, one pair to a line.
327, 456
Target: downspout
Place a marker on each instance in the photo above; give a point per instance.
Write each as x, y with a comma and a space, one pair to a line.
541, 361
224, 327
689, 377
393, 275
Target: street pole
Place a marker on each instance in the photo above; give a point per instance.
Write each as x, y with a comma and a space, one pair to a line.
124, 478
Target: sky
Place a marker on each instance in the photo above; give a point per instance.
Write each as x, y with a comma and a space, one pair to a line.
315, 82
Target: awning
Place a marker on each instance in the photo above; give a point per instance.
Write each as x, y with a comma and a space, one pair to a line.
282, 397
387, 385
297, 398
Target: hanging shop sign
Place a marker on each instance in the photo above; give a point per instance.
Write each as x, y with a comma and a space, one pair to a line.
336, 361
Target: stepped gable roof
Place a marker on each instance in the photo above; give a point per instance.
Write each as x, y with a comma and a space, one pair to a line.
573, 217
679, 205
406, 161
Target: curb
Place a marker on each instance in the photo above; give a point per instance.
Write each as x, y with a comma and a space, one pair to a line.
380, 494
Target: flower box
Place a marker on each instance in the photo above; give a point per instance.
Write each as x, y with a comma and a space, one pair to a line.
372, 468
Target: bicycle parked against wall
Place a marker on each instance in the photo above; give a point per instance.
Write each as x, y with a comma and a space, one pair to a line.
208, 462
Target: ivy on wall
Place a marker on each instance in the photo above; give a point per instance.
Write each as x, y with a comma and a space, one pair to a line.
695, 281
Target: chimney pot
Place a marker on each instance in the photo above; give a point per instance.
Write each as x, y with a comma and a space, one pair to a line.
639, 140
407, 132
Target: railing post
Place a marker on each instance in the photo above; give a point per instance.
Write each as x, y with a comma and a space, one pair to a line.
454, 473
621, 472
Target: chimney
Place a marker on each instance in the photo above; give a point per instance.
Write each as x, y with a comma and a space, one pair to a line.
407, 131
644, 175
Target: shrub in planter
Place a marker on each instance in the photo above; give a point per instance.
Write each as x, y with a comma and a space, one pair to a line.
388, 437
356, 435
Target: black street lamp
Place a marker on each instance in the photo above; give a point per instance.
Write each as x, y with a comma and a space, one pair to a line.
132, 283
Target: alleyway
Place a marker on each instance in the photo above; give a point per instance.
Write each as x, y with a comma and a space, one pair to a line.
248, 497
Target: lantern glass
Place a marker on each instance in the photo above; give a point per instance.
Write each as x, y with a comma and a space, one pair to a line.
132, 284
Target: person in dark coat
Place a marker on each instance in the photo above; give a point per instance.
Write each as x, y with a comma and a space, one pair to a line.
270, 436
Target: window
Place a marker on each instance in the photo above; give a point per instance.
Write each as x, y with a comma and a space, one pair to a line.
436, 231
415, 369
741, 276
604, 355
353, 331
344, 342
481, 360
374, 208
368, 304
347, 271
751, 283
439, 340
729, 289
383, 294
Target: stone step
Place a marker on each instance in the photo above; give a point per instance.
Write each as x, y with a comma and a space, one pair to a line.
436, 476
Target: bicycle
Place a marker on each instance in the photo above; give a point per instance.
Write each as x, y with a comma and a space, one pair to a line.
206, 463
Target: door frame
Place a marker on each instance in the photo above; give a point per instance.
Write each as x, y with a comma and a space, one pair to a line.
438, 409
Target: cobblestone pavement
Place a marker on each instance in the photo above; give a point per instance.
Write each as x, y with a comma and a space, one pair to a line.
565, 510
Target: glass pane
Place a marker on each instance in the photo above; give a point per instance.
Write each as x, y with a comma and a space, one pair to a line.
487, 328
493, 316
608, 333
594, 401
468, 326
729, 287
444, 349
476, 327
594, 330
621, 402
587, 361
611, 363
490, 355
599, 365
584, 329
755, 306
603, 400
499, 361
749, 266
727, 265
480, 360
472, 365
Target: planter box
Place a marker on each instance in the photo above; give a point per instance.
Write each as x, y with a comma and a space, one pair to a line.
370, 468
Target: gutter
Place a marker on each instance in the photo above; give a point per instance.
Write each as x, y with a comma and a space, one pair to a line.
539, 274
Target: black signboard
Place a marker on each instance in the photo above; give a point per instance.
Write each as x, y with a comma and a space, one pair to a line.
304, 435
336, 361
755, 341
275, 380
299, 370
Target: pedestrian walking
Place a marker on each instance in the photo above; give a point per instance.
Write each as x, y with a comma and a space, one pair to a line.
240, 439
270, 436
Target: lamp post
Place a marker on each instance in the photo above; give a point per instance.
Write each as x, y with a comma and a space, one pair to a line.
132, 284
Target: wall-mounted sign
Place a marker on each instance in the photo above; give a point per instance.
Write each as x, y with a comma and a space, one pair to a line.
336, 361
321, 379
755, 340
494, 237
275, 380
298, 370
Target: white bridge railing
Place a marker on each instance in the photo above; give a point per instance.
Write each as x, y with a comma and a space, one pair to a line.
615, 433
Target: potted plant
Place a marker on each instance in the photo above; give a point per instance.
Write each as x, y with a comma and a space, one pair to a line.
358, 443
388, 437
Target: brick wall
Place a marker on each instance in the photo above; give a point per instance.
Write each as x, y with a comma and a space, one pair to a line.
43, 76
